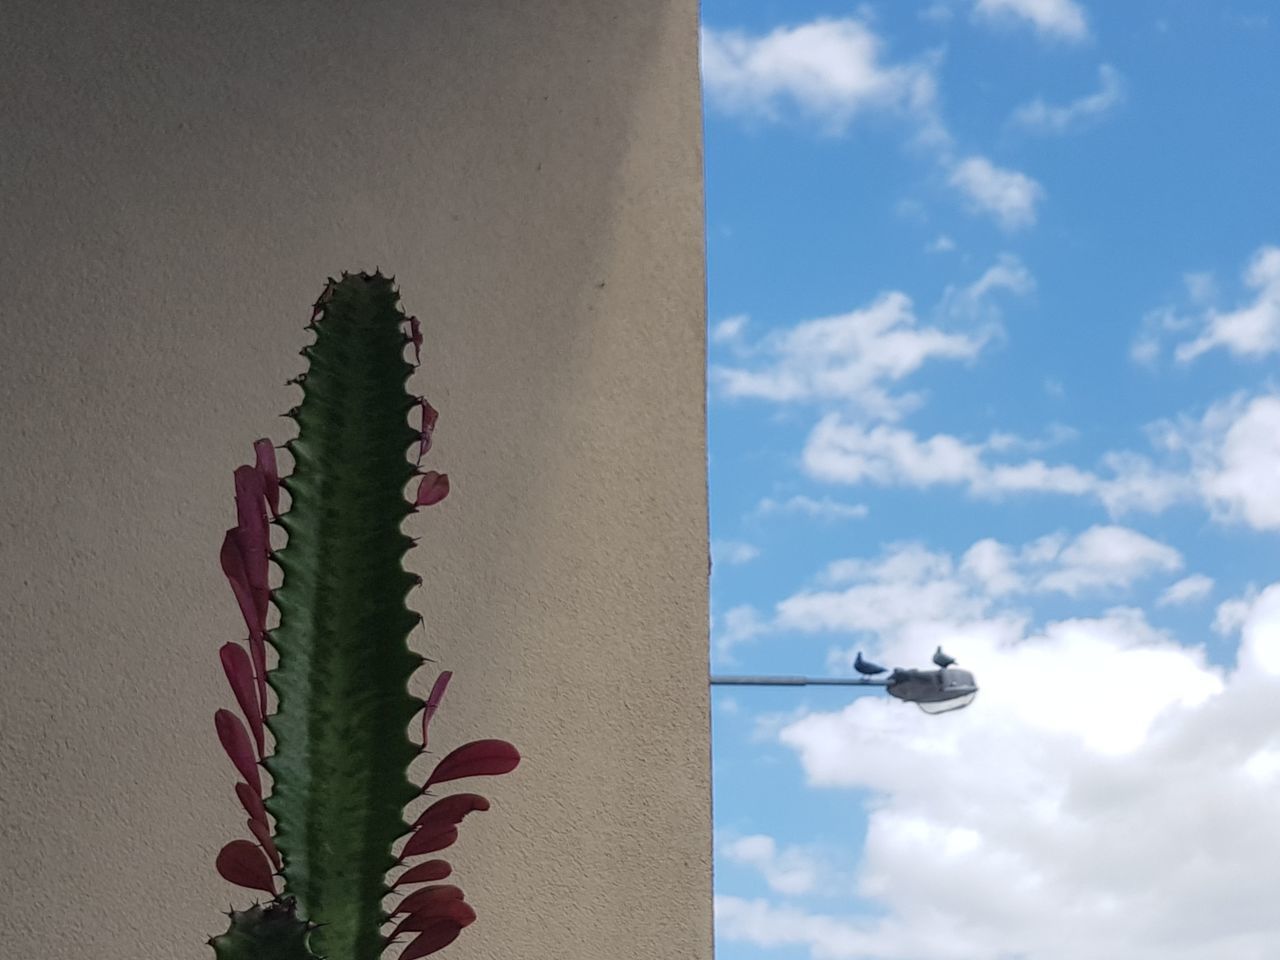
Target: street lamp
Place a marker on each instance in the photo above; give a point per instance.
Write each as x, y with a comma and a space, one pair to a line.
933, 691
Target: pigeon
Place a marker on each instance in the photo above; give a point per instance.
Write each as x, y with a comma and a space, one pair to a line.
866, 666
941, 659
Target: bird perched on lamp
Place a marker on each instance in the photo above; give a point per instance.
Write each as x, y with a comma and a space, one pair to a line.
866, 667
941, 659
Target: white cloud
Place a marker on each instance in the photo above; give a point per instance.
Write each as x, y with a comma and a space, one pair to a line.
1057, 19
1242, 477
729, 329
1041, 117
1157, 325
1235, 454
830, 69
742, 624
911, 588
790, 870
1190, 589
1008, 196
993, 565
733, 552
1007, 273
1107, 556
842, 451
1260, 634
907, 585
823, 509
1252, 330
851, 357
1231, 614
940, 244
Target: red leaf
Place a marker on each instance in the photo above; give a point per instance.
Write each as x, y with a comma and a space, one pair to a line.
415, 335
251, 522
419, 899
265, 462
233, 566
452, 809
437, 937
430, 912
480, 758
252, 803
429, 839
243, 863
258, 651
263, 835
235, 663
251, 505
429, 417
455, 910
235, 740
425, 872
433, 488
433, 702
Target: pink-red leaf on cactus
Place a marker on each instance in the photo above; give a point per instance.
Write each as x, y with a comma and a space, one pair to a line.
235, 740
243, 863
251, 505
252, 803
453, 909
258, 651
427, 872
433, 488
263, 836
415, 335
433, 701
251, 522
429, 417
452, 809
233, 566
479, 758
429, 839
420, 900
448, 906
265, 461
436, 937
235, 663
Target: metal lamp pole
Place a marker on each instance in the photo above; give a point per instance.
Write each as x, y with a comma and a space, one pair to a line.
933, 691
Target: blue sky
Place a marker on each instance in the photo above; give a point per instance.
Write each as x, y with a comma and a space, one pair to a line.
994, 314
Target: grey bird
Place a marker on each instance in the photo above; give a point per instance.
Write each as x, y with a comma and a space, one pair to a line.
866, 666
942, 660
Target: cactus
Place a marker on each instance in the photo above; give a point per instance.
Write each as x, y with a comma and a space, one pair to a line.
340, 748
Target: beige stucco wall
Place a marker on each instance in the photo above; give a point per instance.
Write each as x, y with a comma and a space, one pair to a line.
176, 181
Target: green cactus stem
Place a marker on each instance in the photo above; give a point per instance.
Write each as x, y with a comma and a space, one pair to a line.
341, 747
273, 931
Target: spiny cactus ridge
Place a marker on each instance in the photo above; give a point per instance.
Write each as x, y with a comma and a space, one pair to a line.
339, 750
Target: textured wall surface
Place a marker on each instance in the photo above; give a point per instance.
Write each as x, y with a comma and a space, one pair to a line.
176, 181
